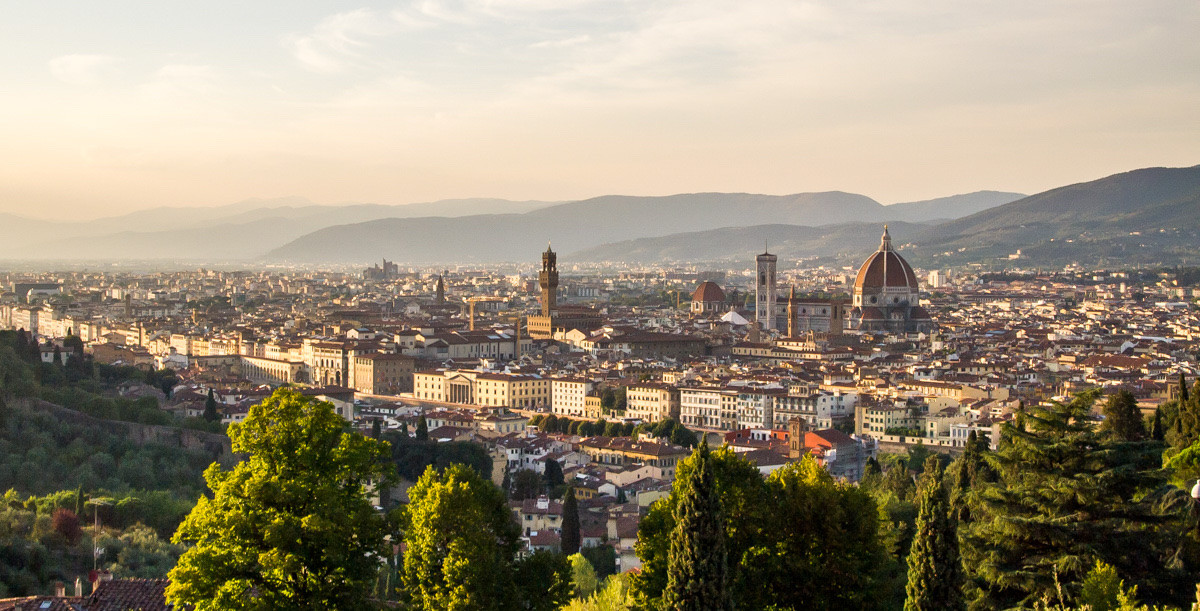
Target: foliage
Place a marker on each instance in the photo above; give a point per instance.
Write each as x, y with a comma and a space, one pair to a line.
570, 523
1066, 497
603, 559
1122, 419
543, 581
935, 575
66, 524
526, 484
461, 545
422, 433
798, 535
553, 474
697, 567
78, 383
41, 453
36, 547
615, 595
210, 408
583, 577
292, 525
412, 456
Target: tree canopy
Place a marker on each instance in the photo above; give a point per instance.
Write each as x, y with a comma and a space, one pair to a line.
292, 525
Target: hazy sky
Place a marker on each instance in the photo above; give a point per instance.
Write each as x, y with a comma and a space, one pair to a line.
115, 105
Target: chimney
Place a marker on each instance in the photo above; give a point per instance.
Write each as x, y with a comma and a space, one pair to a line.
60, 589
97, 578
78, 587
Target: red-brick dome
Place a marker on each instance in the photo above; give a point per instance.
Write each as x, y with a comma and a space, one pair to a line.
708, 291
885, 269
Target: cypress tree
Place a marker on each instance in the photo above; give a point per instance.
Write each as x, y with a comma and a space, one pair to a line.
422, 429
697, 564
935, 575
376, 428
1183, 391
1156, 429
570, 523
210, 408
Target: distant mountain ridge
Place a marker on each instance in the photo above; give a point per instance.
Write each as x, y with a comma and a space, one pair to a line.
1149, 216
584, 224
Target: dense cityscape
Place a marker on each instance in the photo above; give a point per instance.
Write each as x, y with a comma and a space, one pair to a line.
549, 377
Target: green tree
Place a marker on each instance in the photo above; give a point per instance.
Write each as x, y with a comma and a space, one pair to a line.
1122, 419
1065, 498
210, 408
292, 525
583, 576
603, 559
526, 484
543, 581
553, 474
422, 429
570, 523
935, 575
461, 547
697, 570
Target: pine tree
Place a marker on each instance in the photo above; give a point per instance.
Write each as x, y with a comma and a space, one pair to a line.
570, 523
697, 564
210, 408
1065, 498
935, 575
1122, 419
422, 429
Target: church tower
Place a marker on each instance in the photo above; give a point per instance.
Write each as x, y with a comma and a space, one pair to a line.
548, 280
791, 313
764, 310
441, 290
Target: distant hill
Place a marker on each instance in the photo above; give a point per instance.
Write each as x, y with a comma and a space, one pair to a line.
580, 225
843, 242
243, 230
953, 207
1143, 216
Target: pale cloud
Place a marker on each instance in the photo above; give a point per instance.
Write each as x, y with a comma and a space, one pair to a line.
339, 40
82, 69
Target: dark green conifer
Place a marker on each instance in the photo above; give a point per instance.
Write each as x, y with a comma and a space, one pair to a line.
1064, 498
570, 523
935, 575
422, 429
697, 564
210, 408
1122, 419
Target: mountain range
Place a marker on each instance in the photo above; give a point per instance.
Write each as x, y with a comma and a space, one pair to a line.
591, 223
1143, 216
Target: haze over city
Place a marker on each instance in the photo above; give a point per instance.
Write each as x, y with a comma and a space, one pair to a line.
112, 107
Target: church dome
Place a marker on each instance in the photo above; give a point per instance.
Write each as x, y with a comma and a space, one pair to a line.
885, 269
708, 291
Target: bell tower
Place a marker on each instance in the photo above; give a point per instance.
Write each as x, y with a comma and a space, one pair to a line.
797, 429
764, 309
548, 280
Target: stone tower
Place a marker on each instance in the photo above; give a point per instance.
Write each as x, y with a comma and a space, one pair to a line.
797, 429
791, 313
764, 311
548, 280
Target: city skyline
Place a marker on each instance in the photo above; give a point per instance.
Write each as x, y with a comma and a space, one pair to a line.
123, 107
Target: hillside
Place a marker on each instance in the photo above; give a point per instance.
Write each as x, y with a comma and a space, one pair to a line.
586, 224
848, 242
242, 230
1143, 216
